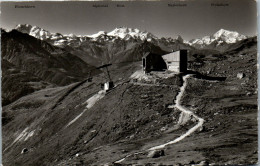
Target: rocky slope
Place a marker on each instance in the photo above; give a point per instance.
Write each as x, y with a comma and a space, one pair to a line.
37, 61
17, 83
134, 116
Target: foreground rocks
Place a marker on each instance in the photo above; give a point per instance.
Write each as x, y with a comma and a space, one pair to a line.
155, 153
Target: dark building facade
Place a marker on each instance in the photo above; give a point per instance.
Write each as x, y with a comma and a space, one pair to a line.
153, 62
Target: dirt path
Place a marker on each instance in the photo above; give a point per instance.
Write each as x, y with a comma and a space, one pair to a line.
185, 113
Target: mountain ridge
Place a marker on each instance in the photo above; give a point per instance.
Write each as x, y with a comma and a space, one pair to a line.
218, 39
126, 33
29, 60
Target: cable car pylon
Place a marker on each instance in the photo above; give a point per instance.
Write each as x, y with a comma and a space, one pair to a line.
109, 84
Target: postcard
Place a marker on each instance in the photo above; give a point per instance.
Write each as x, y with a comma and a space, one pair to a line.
129, 83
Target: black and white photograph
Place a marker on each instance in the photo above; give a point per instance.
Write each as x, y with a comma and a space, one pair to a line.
147, 83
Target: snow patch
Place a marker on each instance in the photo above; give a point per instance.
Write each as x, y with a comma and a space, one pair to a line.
76, 118
21, 135
30, 134
24, 135
139, 75
90, 103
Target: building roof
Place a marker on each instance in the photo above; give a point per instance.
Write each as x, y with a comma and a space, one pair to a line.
164, 55
150, 53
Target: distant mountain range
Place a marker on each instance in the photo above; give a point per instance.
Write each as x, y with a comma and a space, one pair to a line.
217, 41
127, 44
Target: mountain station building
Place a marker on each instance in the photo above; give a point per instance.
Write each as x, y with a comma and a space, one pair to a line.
175, 61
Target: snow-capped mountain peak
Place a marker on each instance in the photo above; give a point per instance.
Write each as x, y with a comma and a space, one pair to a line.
220, 37
100, 33
228, 36
42, 34
124, 32
39, 33
72, 35
24, 28
33, 31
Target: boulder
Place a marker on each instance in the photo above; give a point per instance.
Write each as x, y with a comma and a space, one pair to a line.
240, 75
192, 162
155, 153
204, 163
144, 96
25, 150
202, 129
163, 129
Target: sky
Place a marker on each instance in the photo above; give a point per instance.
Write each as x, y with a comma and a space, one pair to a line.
195, 20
